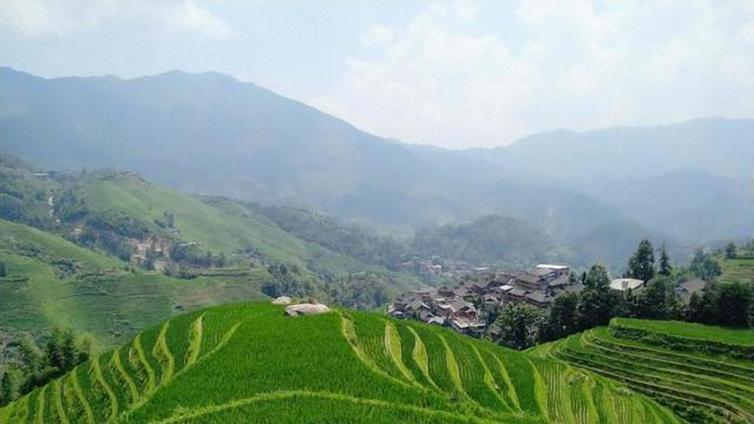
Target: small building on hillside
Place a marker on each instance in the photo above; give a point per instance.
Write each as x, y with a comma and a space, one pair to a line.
625, 284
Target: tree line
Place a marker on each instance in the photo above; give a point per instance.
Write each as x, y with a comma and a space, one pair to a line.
33, 366
728, 304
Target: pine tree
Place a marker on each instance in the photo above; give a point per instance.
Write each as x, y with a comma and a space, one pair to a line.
730, 251
6, 388
665, 268
642, 264
598, 303
3, 270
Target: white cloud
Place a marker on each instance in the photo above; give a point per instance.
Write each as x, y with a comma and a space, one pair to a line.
449, 77
39, 19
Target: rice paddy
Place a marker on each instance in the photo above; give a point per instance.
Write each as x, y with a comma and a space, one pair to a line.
250, 363
653, 357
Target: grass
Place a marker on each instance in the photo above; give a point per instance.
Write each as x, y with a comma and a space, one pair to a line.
733, 336
250, 363
99, 299
737, 270
697, 386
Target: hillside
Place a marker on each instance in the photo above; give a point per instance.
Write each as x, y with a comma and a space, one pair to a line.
250, 363
52, 282
740, 269
217, 225
704, 374
211, 134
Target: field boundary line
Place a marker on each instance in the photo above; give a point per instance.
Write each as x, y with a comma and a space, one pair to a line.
80, 395
195, 341
58, 396
127, 378
393, 346
292, 394
161, 349
421, 356
97, 370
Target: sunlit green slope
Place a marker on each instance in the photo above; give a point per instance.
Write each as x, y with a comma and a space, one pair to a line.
250, 363
52, 282
705, 374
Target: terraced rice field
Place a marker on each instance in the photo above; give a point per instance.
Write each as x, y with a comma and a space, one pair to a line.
250, 363
700, 388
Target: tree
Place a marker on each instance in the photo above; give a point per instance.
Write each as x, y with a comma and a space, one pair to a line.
735, 300
7, 388
519, 325
642, 264
598, 302
730, 251
704, 266
3, 270
665, 268
563, 318
658, 300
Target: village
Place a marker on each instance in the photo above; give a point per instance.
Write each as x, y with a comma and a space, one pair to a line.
466, 307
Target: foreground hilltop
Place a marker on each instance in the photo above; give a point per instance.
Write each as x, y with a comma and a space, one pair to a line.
250, 363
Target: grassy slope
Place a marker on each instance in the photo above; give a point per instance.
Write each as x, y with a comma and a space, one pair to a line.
218, 225
732, 336
99, 299
737, 270
250, 363
699, 387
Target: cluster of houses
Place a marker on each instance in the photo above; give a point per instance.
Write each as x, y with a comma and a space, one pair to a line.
463, 307
437, 269
459, 307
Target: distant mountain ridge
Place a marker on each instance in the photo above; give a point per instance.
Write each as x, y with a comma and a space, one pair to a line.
209, 133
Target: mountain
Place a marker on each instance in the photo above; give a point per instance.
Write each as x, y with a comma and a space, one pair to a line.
714, 145
209, 133
691, 205
108, 253
251, 363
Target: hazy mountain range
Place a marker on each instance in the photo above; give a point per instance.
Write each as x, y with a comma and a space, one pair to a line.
596, 192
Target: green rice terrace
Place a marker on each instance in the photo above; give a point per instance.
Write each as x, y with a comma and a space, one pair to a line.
251, 363
704, 374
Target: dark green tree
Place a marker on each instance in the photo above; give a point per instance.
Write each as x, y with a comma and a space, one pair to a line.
598, 302
730, 251
665, 268
658, 300
704, 266
563, 318
7, 388
735, 304
3, 270
519, 325
642, 264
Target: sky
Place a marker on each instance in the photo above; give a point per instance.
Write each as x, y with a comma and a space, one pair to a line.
456, 74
